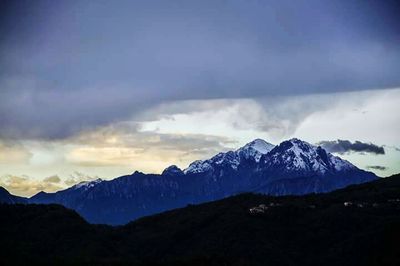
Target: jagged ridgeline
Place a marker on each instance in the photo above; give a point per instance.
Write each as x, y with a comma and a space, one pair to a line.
293, 167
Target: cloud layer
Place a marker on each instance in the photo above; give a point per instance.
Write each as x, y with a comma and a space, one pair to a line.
13, 152
112, 60
123, 145
27, 186
344, 146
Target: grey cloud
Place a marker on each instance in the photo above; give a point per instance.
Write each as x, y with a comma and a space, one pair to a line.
279, 116
377, 167
344, 146
113, 59
130, 134
45, 113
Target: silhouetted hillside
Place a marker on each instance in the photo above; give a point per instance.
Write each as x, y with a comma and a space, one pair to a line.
301, 230
6, 197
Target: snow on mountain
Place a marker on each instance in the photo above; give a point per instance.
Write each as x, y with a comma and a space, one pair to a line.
341, 164
230, 159
255, 149
252, 150
198, 166
87, 184
298, 155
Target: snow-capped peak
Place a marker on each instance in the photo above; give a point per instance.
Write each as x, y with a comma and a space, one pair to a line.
255, 149
88, 184
290, 155
295, 154
259, 145
232, 159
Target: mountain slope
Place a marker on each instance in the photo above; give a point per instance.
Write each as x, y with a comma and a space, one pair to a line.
294, 167
6, 197
294, 230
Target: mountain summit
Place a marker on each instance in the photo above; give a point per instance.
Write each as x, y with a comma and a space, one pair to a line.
293, 167
251, 151
255, 149
301, 158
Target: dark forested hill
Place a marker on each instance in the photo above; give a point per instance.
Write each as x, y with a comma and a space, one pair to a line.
359, 225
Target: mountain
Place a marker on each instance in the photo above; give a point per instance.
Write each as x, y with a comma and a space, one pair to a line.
358, 225
65, 197
6, 197
251, 152
294, 167
255, 149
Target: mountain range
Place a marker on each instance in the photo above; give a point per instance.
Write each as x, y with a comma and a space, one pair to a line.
294, 167
357, 225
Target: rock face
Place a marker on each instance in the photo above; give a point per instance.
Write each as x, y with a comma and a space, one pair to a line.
294, 167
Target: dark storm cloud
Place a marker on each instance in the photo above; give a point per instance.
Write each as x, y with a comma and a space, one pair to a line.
67, 65
343, 146
377, 167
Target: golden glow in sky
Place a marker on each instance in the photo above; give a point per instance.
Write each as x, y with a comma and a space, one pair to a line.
184, 131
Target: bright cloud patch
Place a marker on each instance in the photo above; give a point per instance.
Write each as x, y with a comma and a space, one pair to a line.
28, 186
122, 145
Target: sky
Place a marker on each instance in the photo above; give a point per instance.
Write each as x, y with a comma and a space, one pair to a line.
99, 89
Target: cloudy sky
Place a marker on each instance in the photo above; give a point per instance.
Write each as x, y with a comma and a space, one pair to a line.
103, 88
